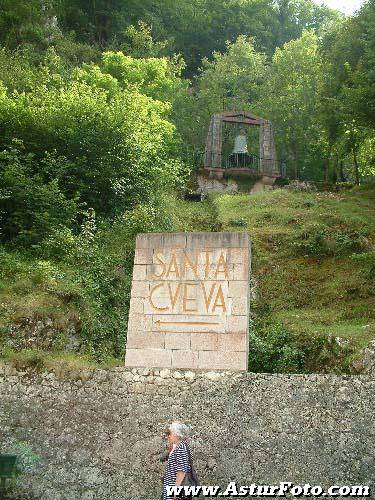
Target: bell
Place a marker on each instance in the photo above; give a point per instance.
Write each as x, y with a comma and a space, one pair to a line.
240, 142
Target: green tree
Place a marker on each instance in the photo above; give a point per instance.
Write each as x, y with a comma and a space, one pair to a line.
292, 17
348, 95
31, 22
158, 78
137, 41
193, 28
232, 80
291, 100
32, 203
112, 146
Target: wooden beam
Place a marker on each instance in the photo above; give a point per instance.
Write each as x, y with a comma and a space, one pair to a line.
245, 121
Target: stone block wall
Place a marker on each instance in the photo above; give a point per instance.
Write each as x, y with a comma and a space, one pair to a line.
228, 185
189, 303
98, 435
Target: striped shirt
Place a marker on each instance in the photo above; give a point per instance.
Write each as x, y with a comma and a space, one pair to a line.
178, 461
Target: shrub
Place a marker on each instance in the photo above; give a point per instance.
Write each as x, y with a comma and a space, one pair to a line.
368, 261
59, 243
296, 185
319, 240
273, 349
100, 266
109, 147
240, 222
31, 206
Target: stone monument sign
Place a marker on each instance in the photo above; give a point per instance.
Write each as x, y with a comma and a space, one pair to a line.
189, 304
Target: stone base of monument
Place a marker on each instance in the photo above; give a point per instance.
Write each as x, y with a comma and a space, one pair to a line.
217, 183
189, 303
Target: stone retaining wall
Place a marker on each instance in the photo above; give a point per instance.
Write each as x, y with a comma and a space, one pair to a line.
98, 434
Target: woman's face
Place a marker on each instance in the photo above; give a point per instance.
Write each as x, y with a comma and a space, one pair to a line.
173, 438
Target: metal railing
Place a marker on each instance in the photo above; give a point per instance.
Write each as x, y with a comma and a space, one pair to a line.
243, 160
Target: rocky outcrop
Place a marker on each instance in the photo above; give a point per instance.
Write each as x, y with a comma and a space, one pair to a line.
44, 333
366, 361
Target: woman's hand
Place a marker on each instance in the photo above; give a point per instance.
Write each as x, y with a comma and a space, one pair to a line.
179, 478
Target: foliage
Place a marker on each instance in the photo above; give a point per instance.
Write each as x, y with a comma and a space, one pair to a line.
234, 76
30, 206
274, 350
348, 94
155, 77
290, 98
138, 42
26, 22
100, 129
261, 55
368, 261
319, 240
366, 157
194, 28
106, 147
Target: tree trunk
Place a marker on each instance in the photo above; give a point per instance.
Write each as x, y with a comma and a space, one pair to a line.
342, 175
326, 166
335, 174
356, 167
326, 169
295, 161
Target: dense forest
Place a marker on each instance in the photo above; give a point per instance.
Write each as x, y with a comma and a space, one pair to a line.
104, 110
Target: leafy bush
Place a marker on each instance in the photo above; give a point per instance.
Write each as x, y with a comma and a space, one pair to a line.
59, 243
368, 260
155, 77
273, 349
31, 205
281, 182
319, 240
91, 141
99, 267
240, 222
89, 272
304, 186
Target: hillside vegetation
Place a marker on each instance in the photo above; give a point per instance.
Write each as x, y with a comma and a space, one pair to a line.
104, 112
313, 266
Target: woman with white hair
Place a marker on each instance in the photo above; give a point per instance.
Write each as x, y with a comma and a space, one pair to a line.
179, 462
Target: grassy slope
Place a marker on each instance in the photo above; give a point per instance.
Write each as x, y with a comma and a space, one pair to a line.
303, 245
84, 285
